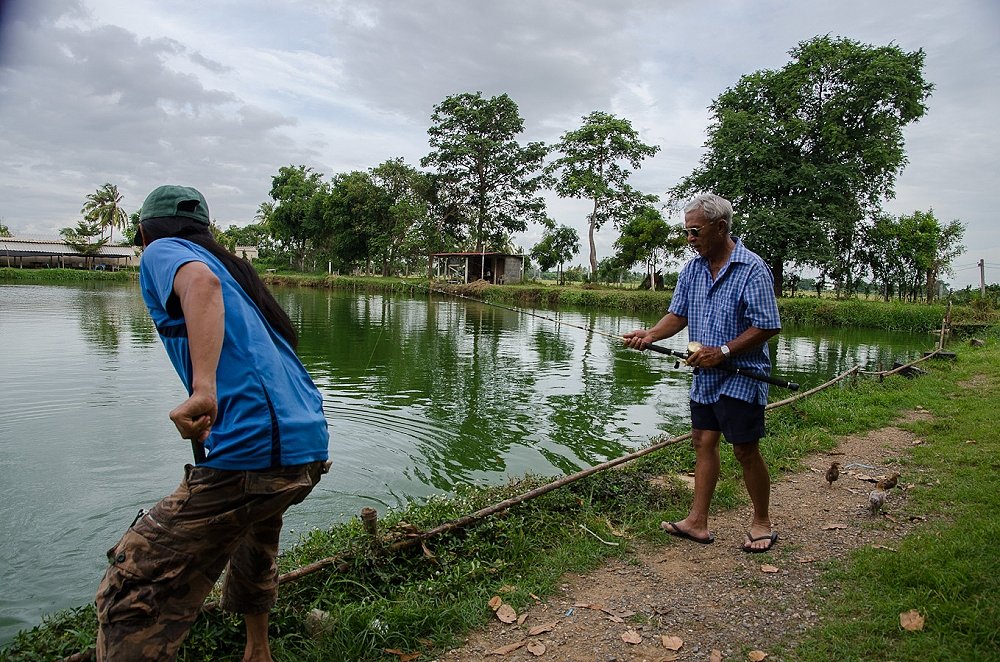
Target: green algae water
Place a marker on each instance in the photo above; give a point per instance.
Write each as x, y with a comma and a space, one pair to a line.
421, 394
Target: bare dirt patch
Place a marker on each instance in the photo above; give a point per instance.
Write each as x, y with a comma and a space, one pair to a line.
715, 597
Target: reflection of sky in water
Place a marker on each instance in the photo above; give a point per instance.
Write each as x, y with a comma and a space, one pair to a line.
421, 394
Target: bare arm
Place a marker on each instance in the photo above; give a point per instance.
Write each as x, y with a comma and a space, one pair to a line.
200, 296
668, 325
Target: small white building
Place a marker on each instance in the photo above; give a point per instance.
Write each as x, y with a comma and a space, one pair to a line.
247, 252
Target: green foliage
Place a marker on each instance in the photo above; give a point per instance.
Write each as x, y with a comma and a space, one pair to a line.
81, 238
483, 174
648, 238
4, 231
103, 209
591, 166
558, 244
805, 152
297, 216
892, 315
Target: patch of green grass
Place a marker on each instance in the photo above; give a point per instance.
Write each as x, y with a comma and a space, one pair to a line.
949, 570
57, 276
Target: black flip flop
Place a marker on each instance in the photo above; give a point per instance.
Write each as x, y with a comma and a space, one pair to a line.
674, 530
773, 537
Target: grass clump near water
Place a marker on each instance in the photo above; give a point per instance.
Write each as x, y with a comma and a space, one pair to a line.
58, 276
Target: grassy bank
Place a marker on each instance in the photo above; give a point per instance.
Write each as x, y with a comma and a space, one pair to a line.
806, 310
62, 276
426, 599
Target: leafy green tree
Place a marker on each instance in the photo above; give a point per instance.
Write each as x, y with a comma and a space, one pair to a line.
81, 238
592, 167
358, 216
255, 234
649, 239
806, 152
484, 176
882, 253
4, 231
103, 207
403, 230
556, 247
927, 248
297, 217
131, 228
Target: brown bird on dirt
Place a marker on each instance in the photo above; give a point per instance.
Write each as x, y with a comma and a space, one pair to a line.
876, 500
887, 484
833, 473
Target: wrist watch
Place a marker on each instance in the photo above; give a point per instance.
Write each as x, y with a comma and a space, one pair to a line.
725, 350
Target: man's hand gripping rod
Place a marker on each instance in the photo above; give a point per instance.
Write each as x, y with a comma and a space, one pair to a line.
759, 376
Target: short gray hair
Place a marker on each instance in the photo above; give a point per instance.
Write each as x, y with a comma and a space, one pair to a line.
713, 206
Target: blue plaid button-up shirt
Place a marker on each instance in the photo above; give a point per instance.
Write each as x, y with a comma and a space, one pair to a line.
718, 311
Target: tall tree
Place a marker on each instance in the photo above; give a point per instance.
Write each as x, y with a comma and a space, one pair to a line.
103, 207
928, 247
402, 188
296, 218
557, 246
358, 213
485, 176
805, 152
592, 167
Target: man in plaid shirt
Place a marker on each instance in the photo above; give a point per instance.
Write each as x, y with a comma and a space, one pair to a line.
725, 298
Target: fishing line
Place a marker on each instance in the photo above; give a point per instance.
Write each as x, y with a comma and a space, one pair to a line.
751, 374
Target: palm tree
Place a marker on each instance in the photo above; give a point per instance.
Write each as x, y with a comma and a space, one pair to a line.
104, 208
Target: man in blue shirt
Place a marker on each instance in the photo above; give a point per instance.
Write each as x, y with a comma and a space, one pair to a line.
256, 424
725, 298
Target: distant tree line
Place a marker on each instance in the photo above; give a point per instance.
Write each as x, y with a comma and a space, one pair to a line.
807, 154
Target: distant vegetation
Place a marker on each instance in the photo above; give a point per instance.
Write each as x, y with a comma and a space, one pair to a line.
808, 153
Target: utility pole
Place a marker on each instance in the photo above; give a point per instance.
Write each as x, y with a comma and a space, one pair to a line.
982, 278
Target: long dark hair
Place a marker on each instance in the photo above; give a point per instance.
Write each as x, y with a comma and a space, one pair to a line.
238, 268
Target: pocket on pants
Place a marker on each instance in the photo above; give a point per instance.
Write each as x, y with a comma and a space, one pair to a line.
142, 574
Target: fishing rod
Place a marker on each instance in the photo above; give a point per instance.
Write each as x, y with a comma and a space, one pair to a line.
692, 346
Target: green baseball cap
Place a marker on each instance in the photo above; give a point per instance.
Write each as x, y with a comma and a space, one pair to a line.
172, 200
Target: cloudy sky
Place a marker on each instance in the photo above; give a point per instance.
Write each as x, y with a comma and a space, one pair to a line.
220, 94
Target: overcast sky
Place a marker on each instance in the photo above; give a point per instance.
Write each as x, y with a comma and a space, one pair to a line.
220, 94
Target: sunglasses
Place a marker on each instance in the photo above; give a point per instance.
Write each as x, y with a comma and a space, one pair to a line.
694, 232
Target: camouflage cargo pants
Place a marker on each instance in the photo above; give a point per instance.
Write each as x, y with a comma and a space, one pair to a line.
168, 561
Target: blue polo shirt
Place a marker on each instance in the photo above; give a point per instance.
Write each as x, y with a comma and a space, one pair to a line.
718, 311
270, 412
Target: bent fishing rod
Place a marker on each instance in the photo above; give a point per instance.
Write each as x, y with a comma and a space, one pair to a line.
692, 347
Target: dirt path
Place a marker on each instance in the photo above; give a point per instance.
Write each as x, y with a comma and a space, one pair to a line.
715, 597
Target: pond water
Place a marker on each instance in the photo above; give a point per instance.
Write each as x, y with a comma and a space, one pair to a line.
421, 394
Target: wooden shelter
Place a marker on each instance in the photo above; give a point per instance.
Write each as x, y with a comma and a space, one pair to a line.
51, 253
495, 268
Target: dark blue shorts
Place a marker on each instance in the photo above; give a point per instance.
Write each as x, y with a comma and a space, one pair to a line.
740, 422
